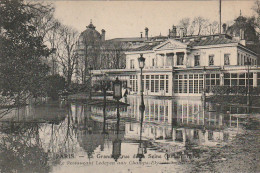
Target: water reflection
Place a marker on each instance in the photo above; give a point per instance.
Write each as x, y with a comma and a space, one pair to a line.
42, 138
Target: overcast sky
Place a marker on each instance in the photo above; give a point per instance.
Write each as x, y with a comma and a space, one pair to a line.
128, 19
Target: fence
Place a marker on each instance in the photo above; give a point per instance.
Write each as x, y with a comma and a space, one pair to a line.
233, 90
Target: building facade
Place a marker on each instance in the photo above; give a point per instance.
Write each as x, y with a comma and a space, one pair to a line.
186, 66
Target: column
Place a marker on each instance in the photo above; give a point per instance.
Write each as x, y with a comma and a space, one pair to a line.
164, 112
185, 59
184, 136
187, 112
170, 111
164, 133
170, 84
173, 134
254, 79
174, 60
159, 109
149, 105
164, 59
222, 79
182, 112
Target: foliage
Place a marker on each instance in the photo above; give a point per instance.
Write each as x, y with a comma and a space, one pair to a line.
198, 26
256, 8
247, 24
53, 85
23, 53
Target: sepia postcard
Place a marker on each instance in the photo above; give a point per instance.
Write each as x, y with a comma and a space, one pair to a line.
129, 86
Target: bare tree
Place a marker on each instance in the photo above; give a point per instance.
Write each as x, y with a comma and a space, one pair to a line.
54, 41
112, 55
66, 52
200, 24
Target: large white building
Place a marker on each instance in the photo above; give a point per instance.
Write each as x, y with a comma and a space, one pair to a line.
185, 66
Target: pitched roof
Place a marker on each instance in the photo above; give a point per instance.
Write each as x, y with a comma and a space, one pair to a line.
129, 39
210, 41
144, 48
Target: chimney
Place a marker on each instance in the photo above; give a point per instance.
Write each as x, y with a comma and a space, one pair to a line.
146, 32
103, 35
174, 31
224, 26
141, 34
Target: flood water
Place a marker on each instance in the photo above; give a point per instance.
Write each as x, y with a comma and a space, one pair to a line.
171, 135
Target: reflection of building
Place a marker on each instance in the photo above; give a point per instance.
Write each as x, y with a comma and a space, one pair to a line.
187, 65
185, 121
182, 111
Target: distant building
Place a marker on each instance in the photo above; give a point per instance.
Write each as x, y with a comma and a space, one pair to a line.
88, 47
94, 51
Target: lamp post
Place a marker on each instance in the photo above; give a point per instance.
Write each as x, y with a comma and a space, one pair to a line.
204, 85
116, 152
90, 81
104, 86
140, 152
141, 61
248, 63
117, 88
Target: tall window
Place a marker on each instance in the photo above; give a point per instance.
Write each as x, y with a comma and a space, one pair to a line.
169, 59
162, 82
157, 83
240, 79
211, 60
196, 60
226, 59
167, 84
133, 83
152, 83
132, 65
153, 62
180, 58
192, 83
258, 79
212, 80
147, 82
238, 59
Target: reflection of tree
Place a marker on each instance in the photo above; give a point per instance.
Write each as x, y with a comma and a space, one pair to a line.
90, 138
90, 135
21, 150
62, 138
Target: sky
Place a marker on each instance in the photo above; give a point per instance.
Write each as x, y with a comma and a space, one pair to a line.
129, 18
